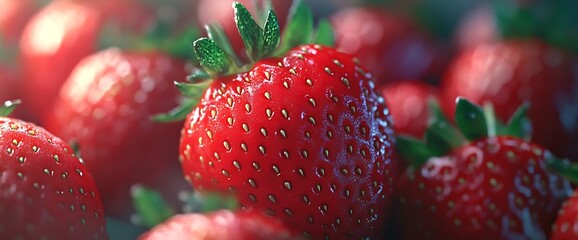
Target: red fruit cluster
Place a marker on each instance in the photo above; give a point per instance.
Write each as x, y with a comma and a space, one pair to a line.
300, 115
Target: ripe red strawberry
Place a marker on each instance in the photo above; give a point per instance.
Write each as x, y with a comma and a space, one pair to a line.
483, 181
63, 33
220, 12
222, 224
105, 106
302, 135
46, 192
565, 227
408, 101
477, 27
13, 16
391, 46
511, 72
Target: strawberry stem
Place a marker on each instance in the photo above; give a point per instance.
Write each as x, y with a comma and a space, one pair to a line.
8, 107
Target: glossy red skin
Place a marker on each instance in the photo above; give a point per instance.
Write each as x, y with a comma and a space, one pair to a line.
293, 186
505, 174
565, 227
106, 105
222, 224
408, 105
13, 17
389, 45
221, 11
48, 192
509, 73
63, 33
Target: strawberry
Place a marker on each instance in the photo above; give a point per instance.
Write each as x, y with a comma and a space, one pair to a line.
222, 224
13, 17
477, 27
566, 222
105, 106
300, 134
218, 12
483, 180
511, 72
408, 101
63, 33
46, 192
390, 45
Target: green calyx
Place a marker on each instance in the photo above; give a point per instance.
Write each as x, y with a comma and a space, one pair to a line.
217, 58
550, 21
8, 107
263, 39
472, 123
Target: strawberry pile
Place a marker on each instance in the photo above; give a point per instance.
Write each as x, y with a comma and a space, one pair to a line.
269, 119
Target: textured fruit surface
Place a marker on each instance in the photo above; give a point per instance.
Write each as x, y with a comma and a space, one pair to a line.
106, 107
507, 74
493, 188
45, 191
305, 137
408, 104
222, 224
566, 225
389, 45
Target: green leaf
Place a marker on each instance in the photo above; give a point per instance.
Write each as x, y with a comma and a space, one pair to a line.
324, 34
515, 19
299, 28
470, 119
8, 107
207, 202
413, 150
441, 136
436, 142
198, 75
150, 206
193, 93
216, 33
519, 124
212, 58
565, 168
272, 34
250, 31
495, 126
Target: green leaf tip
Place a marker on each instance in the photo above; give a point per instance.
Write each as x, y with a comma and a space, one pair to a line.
192, 93
519, 124
324, 34
470, 119
249, 30
414, 151
207, 201
562, 167
151, 207
272, 34
212, 58
8, 107
299, 28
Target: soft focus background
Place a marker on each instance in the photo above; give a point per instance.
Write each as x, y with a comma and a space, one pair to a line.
46, 44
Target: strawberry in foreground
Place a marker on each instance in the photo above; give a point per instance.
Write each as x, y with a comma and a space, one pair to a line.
302, 134
408, 101
481, 181
46, 192
221, 224
106, 106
